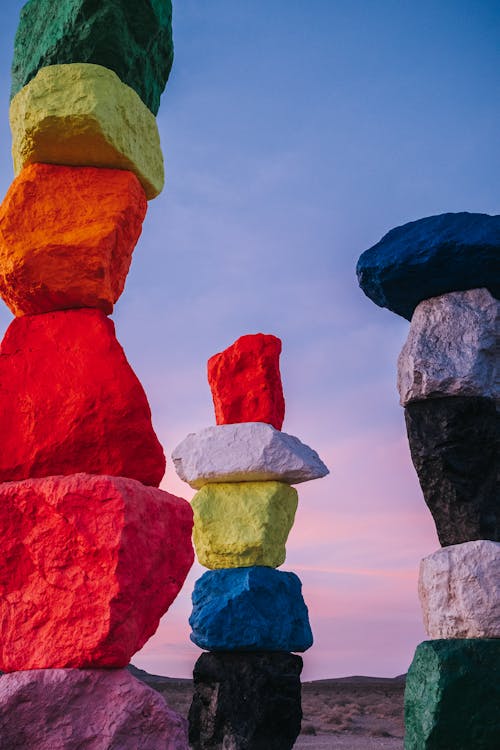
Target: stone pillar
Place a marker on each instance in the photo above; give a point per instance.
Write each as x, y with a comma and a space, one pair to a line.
92, 552
248, 615
442, 273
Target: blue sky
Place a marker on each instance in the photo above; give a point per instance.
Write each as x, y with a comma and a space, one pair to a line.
295, 134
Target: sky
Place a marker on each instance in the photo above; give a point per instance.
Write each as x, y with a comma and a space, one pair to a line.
296, 133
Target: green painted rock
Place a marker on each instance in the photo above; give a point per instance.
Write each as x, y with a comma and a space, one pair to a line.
452, 698
240, 524
131, 37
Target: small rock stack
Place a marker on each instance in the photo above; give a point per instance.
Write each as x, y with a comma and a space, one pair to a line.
92, 553
443, 273
247, 614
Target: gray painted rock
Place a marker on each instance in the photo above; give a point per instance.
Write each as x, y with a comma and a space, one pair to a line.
73, 709
246, 701
459, 591
453, 348
245, 452
429, 257
454, 447
452, 696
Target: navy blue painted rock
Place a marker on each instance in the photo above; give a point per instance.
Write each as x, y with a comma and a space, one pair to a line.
250, 609
429, 257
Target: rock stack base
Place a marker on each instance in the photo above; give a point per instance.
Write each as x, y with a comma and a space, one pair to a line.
246, 701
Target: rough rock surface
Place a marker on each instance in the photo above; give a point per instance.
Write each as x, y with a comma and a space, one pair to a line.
131, 37
249, 609
246, 701
83, 115
73, 709
245, 452
70, 402
430, 257
245, 381
88, 565
67, 236
452, 696
243, 524
453, 348
459, 591
454, 447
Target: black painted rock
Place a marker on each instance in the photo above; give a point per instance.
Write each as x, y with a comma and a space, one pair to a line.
429, 257
454, 447
452, 696
131, 37
246, 701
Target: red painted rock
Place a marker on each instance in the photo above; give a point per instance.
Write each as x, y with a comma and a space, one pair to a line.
70, 402
246, 383
67, 236
85, 709
88, 565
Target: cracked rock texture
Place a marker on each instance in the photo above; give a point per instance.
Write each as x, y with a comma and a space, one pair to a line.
70, 402
131, 37
67, 236
249, 609
83, 115
245, 381
454, 445
453, 348
459, 591
452, 696
430, 257
73, 709
243, 524
88, 565
245, 452
246, 701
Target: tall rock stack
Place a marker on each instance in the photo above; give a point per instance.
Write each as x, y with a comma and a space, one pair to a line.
248, 615
443, 274
92, 552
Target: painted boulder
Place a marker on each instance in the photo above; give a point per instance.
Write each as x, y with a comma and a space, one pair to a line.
67, 236
430, 257
70, 402
249, 609
88, 565
131, 37
245, 381
83, 115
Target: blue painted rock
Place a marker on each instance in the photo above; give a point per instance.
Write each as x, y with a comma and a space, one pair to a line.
250, 609
429, 257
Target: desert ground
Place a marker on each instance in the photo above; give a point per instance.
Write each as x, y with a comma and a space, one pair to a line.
350, 713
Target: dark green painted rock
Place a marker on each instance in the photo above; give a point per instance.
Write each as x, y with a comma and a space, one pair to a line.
131, 37
452, 697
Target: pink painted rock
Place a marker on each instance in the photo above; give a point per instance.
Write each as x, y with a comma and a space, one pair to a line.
245, 381
70, 402
72, 709
88, 565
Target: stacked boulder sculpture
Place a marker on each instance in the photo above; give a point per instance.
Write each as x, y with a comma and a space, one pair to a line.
249, 616
443, 273
92, 553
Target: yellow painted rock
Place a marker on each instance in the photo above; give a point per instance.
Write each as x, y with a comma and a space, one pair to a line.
240, 524
83, 115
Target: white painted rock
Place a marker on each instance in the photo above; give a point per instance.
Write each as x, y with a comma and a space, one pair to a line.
459, 589
452, 348
245, 452
89, 709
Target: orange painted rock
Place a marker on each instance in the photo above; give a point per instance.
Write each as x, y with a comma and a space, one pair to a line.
67, 236
70, 402
245, 381
88, 565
